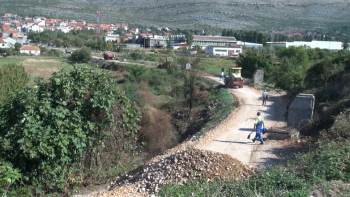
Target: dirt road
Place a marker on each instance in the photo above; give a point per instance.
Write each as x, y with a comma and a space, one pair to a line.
230, 137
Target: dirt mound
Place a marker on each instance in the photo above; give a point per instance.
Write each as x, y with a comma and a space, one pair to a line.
178, 168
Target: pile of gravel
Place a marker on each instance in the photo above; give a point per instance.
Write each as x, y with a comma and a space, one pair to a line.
179, 168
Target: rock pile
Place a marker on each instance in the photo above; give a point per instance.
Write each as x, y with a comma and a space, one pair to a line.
283, 133
180, 167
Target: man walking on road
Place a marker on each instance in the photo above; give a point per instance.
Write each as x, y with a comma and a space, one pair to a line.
265, 96
258, 126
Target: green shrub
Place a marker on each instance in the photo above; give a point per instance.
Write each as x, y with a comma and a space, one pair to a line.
341, 126
330, 161
12, 78
82, 55
136, 56
8, 176
50, 129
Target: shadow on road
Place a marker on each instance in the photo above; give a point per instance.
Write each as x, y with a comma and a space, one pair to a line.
276, 109
234, 142
246, 129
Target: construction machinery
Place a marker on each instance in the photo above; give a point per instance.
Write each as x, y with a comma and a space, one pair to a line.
234, 78
108, 55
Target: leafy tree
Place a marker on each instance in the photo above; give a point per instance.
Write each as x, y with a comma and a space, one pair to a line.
12, 78
345, 44
78, 42
59, 42
50, 129
82, 55
297, 53
319, 75
224, 32
190, 82
17, 46
168, 42
293, 74
189, 38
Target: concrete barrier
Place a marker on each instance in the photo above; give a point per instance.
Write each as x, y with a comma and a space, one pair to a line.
258, 76
300, 110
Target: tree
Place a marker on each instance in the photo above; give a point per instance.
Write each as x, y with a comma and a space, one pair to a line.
345, 44
190, 82
319, 75
82, 55
189, 38
17, 46
169, 42
224, 32
78, 42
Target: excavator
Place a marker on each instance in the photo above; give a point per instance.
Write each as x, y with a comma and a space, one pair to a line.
234, 78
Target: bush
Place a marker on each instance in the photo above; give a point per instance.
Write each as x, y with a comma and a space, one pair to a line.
329, 162
341, 126
12, 78
136, 56
50, 129
8, 176
82, 55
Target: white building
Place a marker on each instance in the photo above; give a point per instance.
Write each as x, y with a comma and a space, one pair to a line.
249, 44
232, 51
30, 50
6, 43
204, 41
111, 37
330, 45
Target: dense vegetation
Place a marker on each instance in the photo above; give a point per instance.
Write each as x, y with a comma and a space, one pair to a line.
12, 78
51, 131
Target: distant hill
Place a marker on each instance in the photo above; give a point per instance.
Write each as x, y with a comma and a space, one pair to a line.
260, 15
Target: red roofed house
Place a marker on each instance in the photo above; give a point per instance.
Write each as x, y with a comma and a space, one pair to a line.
3, 44
31, 50
6, 27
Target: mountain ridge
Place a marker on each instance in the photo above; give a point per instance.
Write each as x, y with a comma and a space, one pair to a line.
268, 15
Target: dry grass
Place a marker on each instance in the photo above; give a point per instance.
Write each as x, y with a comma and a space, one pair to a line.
42, 68
156, 130
148, 97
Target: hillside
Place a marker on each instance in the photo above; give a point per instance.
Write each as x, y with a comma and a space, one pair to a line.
199, 14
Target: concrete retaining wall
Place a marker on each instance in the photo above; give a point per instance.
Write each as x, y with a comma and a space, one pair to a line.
258, 76
301, 110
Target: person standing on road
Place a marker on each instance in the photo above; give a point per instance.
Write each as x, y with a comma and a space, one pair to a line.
265, 96
258, 127
222, 74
